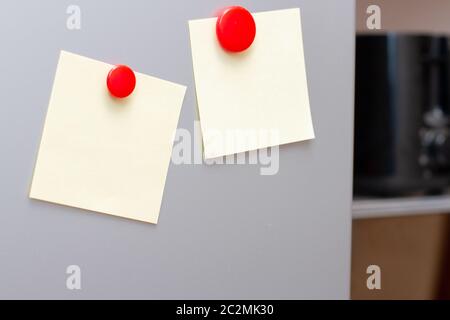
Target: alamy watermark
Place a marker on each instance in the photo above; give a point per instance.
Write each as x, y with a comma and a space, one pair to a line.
374, 280
373, 21
73, 21
73, 281
188, 149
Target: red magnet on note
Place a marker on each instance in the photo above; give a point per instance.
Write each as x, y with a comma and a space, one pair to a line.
235, 29
121, 81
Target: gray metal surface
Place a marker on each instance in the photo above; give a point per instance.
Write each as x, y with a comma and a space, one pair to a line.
224, 231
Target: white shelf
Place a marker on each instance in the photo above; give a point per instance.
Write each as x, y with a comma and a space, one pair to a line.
375, 208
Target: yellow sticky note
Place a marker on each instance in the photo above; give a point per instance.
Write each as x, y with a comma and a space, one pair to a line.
105, 154
257, 98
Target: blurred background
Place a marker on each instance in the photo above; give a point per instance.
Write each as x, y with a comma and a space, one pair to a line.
402, 150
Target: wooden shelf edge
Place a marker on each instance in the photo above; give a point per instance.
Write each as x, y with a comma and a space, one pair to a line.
377, 208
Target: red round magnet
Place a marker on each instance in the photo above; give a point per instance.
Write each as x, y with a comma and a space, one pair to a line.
235, 29
121, 81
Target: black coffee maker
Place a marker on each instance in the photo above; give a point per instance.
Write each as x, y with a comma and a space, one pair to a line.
402, 103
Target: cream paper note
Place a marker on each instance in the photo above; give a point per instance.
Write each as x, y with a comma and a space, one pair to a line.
257, 98
104, 154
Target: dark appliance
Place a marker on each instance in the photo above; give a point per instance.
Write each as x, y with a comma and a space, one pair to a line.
402, 103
